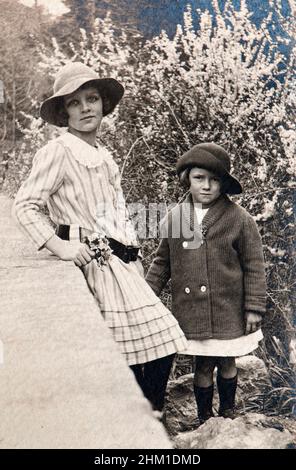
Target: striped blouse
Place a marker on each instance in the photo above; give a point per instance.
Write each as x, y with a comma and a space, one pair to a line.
80, 185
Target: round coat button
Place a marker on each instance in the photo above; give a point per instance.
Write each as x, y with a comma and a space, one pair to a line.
185, 244
187, 290
203, 288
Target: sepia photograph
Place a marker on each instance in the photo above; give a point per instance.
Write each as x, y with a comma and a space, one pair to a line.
147, 228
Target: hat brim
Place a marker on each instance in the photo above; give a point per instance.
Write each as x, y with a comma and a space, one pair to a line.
112, 91
209, 162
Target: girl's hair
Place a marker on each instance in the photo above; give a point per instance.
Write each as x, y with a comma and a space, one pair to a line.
184, 177
61, 110
184, 180
61, 113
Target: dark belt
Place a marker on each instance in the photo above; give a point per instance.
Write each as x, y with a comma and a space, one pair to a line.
125, 253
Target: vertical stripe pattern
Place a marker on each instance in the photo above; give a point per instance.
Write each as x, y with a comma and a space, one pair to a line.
81, 187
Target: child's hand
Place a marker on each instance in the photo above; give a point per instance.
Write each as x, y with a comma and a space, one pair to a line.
253, 322
78, 252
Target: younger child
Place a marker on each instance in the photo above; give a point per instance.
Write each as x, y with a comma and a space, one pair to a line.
218, 279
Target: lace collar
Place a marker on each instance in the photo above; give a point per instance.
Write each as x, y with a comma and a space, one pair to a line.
84, 153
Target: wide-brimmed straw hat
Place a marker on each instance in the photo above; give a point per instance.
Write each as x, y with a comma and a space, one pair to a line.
71, 77
211, 157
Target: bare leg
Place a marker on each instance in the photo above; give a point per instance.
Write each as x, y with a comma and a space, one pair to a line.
204, 371
226, 367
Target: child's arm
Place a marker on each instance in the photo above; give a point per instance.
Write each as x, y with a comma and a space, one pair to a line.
160, 272
253, 266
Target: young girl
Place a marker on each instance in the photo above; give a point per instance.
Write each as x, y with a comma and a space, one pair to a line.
80, 183
218, 279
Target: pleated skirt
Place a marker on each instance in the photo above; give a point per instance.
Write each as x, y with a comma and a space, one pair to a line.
141, 325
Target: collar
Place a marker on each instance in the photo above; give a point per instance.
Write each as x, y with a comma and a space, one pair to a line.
213, 214
84, 153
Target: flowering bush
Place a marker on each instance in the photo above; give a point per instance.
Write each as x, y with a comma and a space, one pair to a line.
227, 82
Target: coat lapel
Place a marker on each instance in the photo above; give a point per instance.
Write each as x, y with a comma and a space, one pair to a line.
214, 213
189, 224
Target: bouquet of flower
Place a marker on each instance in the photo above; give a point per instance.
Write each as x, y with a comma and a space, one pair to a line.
100, 245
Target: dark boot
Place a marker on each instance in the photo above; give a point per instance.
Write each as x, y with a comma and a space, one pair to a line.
156, 375
204, 401
227, 390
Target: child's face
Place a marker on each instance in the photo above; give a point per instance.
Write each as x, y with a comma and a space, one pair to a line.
85, 109
205, 186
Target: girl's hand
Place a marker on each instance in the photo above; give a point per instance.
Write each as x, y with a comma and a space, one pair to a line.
78, 252
253, 322
75, 251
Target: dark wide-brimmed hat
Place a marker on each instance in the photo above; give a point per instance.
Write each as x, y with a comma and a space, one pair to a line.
211, 157
71, 77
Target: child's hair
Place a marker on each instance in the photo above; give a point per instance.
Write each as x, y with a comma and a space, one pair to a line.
184, 180
61, 110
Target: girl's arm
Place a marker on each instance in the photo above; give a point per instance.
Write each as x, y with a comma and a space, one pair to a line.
46, 177
253, 266
160, 271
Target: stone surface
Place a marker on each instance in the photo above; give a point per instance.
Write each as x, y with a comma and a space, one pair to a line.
251, 431
181, 411
247, 431
63, 381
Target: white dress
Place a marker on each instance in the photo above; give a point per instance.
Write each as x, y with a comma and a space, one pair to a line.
222, 347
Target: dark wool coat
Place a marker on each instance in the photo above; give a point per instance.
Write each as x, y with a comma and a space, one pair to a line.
220, 278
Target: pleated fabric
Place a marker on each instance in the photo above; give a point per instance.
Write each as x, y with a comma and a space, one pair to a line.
142, 326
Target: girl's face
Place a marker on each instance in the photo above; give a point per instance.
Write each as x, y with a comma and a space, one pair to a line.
205, 186
85, 109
